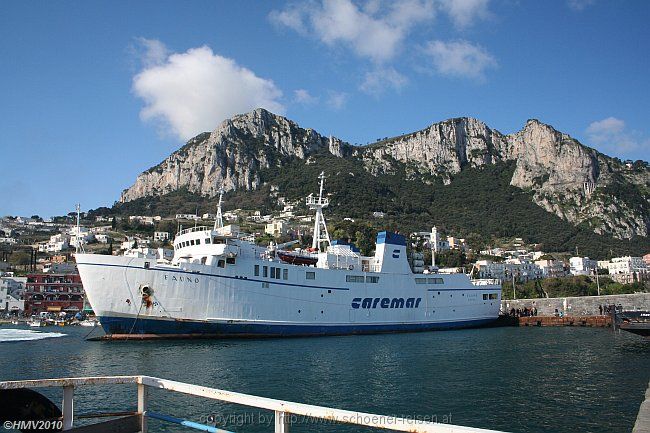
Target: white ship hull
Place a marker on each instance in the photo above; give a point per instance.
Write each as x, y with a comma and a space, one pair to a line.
199, 300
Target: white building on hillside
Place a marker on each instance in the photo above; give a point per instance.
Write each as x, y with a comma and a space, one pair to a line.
57, 243
582, 265
161, 236
103, 238
627, 265
277, 228
551, 268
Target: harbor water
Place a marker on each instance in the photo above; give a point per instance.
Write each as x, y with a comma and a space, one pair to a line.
510, 379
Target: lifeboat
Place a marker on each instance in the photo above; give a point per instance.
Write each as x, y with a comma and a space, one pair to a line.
297, 259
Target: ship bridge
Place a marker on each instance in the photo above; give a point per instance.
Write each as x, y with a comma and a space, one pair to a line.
207, 246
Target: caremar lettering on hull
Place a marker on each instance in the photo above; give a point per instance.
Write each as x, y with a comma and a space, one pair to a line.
386, 303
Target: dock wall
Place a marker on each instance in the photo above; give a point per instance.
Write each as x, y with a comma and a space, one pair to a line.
580, 305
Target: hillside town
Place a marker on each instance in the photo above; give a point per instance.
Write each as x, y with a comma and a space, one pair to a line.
38, 275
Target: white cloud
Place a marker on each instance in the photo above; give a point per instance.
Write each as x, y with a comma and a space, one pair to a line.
579, 5
302, 96
373, 31
460, 58
337, 100
610, 135
464, 13
192, 92
290, 17
378, 81
151, 51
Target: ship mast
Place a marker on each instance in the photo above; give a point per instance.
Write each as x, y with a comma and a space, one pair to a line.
78, 247
318, 204
218, 222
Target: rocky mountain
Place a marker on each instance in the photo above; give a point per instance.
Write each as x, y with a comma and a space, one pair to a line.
563, 176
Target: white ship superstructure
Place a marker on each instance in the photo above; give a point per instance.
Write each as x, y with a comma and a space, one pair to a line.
219, 284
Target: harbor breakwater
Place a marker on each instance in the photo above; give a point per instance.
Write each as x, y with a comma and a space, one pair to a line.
579, 305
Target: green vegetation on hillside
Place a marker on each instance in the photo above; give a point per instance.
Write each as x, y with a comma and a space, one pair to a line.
479, 205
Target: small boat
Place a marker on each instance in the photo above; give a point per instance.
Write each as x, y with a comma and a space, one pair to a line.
36, 323
89, 323
636, 322
297, 259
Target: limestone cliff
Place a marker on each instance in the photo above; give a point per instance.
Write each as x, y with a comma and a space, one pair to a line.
567, 178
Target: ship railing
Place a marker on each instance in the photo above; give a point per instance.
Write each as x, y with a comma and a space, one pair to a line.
371, 268
194, 229
486, 282
285, 412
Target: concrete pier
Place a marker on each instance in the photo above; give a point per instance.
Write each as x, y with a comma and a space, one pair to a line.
642, 424
579, 305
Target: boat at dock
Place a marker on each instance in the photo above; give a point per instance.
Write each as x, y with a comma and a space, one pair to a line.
636, 322
219, 283
37, 323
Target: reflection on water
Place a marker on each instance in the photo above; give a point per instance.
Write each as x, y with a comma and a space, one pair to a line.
512, 379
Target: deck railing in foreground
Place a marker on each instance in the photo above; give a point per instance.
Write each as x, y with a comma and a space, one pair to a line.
283, 410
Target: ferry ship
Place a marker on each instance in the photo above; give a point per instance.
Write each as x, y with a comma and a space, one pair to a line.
219, 283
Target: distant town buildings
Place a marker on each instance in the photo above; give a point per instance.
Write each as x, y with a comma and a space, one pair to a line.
53, 293
11, 292
161, 236
187, 216
146, 220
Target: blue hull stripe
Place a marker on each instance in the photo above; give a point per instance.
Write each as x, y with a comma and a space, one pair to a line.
186, 328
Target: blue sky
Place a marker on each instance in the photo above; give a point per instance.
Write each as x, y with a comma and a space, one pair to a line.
95, 92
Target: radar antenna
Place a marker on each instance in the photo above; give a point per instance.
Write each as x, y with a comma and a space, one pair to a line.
318, 204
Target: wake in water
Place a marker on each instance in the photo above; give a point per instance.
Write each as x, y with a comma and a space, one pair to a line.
7, 335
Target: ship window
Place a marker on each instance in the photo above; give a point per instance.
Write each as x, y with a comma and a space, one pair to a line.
493, 296
265, 285
266, 272
310, 275
435, 281
420, 281
230, 260
354, 278
372, 279
272, 272
221, 263
285, 274
277, 273
485, 296
207, 240
257, 270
